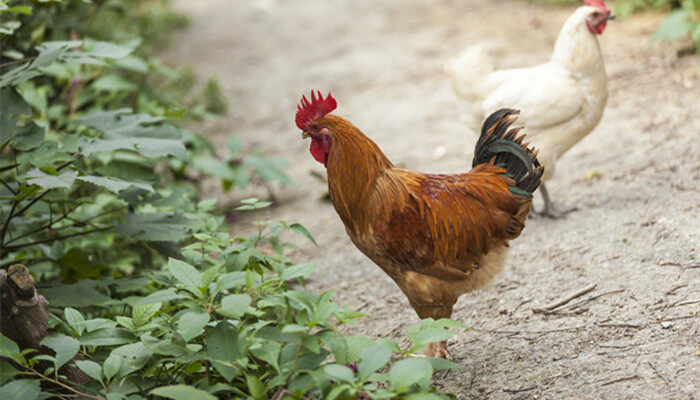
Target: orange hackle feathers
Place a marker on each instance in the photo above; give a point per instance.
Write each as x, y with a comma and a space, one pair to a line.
308, 111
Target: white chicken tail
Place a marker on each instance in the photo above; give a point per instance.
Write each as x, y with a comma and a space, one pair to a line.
467, 73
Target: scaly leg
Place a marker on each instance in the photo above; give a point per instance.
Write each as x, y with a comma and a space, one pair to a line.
549, 210
439, 349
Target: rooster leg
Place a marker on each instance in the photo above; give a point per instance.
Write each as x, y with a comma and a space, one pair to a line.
549, 210
438, 350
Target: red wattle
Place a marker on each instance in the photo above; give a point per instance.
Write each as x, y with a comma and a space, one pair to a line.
318, 151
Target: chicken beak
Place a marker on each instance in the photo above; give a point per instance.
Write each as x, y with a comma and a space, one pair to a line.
304, 135
610, 16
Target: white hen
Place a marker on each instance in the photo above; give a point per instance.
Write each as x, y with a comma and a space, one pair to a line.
561, 101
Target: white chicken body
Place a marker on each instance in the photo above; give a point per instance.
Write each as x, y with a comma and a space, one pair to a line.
561, 101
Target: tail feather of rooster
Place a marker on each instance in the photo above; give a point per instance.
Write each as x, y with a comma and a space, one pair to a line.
502, 146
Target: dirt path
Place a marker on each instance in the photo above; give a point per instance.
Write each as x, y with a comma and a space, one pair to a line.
636, 233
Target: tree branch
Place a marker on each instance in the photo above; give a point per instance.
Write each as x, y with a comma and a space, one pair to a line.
13, 191
19, 246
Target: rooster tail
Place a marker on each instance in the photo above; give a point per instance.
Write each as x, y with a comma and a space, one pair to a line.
503, 147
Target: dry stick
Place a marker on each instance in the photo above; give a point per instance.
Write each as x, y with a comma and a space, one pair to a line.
520, 390
565, 300
573, 328
670, 292
658, 373
620, 325
624, 378
588, 300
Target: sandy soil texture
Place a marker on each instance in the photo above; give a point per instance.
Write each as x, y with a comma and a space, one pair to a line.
635, 236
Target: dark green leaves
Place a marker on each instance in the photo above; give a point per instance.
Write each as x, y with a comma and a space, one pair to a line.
182, 392
222, 350
65, 348
155, 227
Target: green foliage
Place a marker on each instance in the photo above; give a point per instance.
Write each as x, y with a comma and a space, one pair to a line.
681, 23
213, 98
226, 319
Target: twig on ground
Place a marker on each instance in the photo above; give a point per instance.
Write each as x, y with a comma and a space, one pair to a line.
520, 305
658, 373
588, 300
520, 390
621, 325
552, 306
622, 379
670, 292
573, 328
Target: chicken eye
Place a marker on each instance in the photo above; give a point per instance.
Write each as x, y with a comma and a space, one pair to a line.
596, 14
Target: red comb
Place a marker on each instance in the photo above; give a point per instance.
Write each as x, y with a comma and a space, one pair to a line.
308, 111
595, 3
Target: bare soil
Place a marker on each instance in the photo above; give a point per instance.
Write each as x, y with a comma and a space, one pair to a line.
635, 180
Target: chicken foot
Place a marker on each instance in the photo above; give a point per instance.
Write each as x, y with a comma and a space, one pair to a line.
439, 350
549, 211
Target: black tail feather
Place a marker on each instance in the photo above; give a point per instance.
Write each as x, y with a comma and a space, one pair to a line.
507, 150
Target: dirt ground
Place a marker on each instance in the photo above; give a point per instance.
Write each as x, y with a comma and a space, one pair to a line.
635, 236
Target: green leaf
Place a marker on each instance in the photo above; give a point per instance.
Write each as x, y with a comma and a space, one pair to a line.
83, 293
65, 347
431, 335
234, 305
211, 166
155, 227
268, 352
255, 386
182, 392
134, 356
48, 181
114, 184
9, 349
339, 372
191, 324
111, 366
141, 313
222, 350
674, 27
423, 396
405, 373
21, 389
270, 169
299, 228
162, 296
234, 144
75, 319
107, 337
147, 147
185, 274
91, 368
373, 358
297, 271
7, 372
113, 82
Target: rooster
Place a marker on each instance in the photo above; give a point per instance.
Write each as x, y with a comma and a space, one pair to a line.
561, 101
437, 236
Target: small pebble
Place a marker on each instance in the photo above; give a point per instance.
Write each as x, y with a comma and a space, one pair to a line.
666, 324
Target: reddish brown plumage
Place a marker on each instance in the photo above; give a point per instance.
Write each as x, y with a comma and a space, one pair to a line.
437, 236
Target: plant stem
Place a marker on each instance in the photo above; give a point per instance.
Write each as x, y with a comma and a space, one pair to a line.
63, 385
19, 246
7, 222
13, 191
